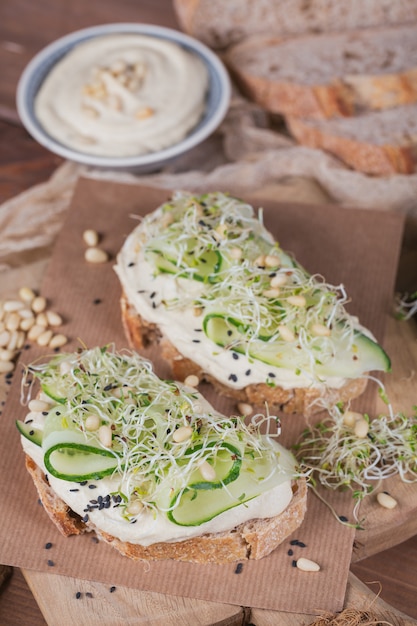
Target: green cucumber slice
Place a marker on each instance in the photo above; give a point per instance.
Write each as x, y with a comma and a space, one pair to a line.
71, 456
193, 506
202, 268
56, 392
226, 463
30, 432
348, 361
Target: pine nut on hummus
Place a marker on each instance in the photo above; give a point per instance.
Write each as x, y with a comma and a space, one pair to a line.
123, 95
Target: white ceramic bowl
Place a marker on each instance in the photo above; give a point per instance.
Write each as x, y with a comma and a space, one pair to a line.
218, 96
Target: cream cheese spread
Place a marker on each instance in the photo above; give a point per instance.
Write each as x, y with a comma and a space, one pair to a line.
151, 528
123, 95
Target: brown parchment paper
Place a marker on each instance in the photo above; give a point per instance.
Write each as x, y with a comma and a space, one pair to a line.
356, 247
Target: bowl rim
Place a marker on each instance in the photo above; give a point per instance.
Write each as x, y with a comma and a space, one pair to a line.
71, 40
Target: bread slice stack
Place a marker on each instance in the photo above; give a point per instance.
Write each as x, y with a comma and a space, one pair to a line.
353, 94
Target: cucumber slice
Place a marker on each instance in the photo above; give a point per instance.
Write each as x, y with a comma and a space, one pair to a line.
69, 455
193, 507
348, 361
56, 392
202, 268
30, 432
226, 463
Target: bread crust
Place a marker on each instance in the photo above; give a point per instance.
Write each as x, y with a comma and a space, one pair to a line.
141, 334
250, 540
378, 160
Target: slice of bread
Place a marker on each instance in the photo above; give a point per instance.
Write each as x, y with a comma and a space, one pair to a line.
141, 334
251, 540
219, 23
380, 143
331, 74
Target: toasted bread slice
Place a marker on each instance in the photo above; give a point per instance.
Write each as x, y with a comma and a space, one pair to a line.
251, 540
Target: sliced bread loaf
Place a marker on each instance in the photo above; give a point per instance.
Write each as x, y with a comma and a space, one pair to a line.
333, 74
380, 143
219, 23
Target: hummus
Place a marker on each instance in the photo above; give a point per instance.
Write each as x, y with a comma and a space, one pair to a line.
123, 95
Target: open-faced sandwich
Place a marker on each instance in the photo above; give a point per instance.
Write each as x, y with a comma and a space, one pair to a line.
202, 276
172, 477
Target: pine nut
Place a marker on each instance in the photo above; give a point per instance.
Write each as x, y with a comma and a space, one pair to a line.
386, 501
26, 294
207, 471
12, 345
38, 304
53, 318
182, 434
91, 237
12, 321
34, 332
286, 333
245, 409
361, 428
6, 367
279, 280
197, 311
4, 338
57, 341
26, 314
27, 323
38, 406
236, 253
297, 300
105, 436
271, 293
44, 338
96, 255
260, 261
65, 367
13, 305
192, 381
135, 507
1, 310
41, 320
92, 423
351, 417
6, 354
307, 566
21, 337
320, 330
271, 260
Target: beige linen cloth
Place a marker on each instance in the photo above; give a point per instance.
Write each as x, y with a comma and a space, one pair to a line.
248, 153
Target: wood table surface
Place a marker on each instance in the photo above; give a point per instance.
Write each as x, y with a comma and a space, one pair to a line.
25, 27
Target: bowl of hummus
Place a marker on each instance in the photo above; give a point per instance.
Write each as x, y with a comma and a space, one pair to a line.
123, 96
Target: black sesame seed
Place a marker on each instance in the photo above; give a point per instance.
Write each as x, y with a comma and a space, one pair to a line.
31, 432
196, 341
153, 305
294, 542
300, 544
131, 264
235, 356
48, 545
97, 301
248, 372
83, 483
294, 563
229, 333
271, 375
85, 518
239, 568
74, 489
233, 378
92, 486
343, 518
94, 539
153, 294
89, 594
108, 387
112, 589
290, 552
78, 595
50, 563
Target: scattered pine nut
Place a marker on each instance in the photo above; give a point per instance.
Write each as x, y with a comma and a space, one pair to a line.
27, 323
41, 320
57, 341
38, 304
53, 318
4, 338
236, 253
6, 354
286, 333
26, 314
260, 261
386, 501
34, 332
192, 381
6, 367
13, 341
297, 300
351, 417
182, 434
12, 321
26, 294
13, 305
271, 260
207, 471
245, 409
307, 566
38, 406
92, 423
361, 428
271, 293
91, 237
135, 507
320, 330
279, 280
44, 338
96, 255
105, 436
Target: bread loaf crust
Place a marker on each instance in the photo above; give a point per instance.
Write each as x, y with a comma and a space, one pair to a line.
141, 334
250, 540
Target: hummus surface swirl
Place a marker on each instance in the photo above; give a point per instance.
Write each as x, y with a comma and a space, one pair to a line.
123, 95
